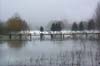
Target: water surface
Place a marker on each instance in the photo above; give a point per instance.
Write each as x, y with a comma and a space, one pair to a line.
50, 53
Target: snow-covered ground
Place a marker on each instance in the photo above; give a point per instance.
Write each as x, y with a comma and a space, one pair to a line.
63, 32
68, 34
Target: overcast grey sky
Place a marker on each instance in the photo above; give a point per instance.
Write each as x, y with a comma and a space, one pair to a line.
42, 11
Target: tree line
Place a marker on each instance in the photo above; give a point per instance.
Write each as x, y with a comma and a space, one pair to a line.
15, 23
90, 25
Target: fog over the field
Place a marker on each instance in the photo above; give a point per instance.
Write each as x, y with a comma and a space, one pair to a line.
41, 12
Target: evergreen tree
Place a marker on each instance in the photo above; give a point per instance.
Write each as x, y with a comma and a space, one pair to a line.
1, 27
58, 27
53, 27
91, 25
81, 26
74, 26
41, 29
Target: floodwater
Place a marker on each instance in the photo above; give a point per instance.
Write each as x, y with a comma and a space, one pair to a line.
50, 53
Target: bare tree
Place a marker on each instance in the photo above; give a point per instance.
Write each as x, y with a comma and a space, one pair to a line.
98, 16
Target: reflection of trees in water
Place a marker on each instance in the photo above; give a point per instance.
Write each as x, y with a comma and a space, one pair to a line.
76, 55
16, 44
98, 42
1, 42
84, 54
98, 54
90, 51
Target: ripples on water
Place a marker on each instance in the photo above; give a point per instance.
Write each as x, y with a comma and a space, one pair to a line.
50, 53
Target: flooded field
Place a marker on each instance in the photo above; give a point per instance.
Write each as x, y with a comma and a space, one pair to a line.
50, 53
